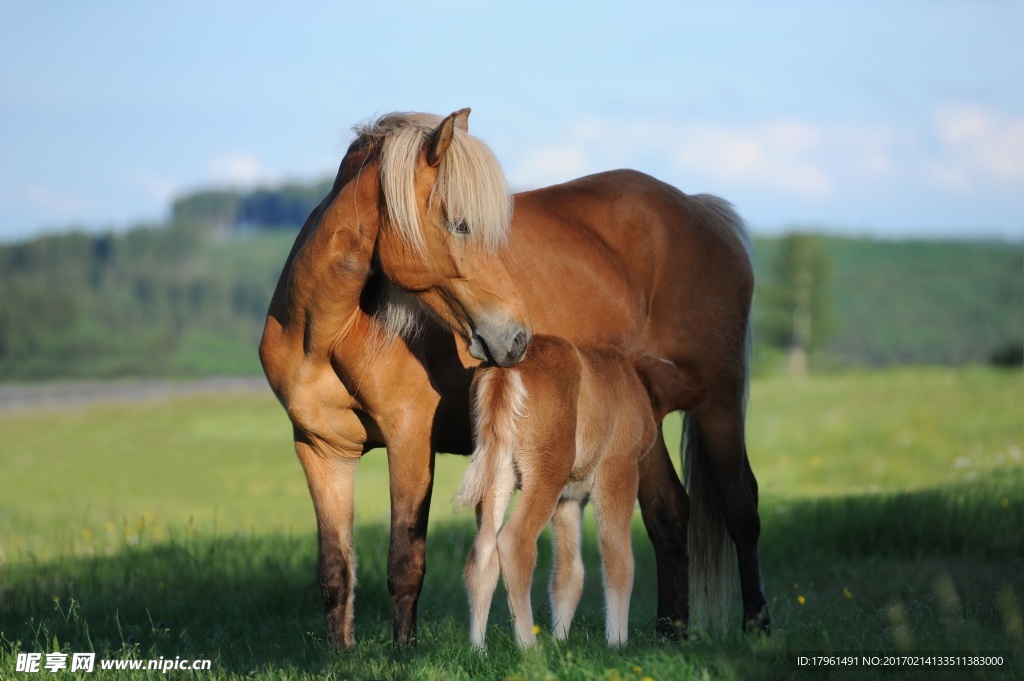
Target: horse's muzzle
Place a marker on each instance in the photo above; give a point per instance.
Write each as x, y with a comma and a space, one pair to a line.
506, 347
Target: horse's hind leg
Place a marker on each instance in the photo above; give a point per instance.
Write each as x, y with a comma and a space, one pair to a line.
517, 549
482, 568
614, 497
567, 573
331, 481
721, 428
666, 511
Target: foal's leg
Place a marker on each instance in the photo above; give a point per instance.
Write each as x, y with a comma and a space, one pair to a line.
411, 471
331, 479
666, 512
482, 567
517, 549
567, 572
614, 495
722, 429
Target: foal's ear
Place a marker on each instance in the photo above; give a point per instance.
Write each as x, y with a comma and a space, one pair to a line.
441, 138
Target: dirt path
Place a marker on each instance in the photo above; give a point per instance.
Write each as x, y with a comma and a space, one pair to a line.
18, 397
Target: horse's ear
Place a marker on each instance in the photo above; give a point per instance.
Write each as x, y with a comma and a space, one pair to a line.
462, 119
441, 138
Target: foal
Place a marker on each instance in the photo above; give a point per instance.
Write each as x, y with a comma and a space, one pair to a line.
565, 424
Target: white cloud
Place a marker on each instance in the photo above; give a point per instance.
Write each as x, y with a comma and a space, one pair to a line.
239, 168
158, 188
868, 151
782, 155
977, 146
551, 164
969, 149
60, 203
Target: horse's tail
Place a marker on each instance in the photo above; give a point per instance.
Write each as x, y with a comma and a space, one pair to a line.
711, 551
712, 558
498, 405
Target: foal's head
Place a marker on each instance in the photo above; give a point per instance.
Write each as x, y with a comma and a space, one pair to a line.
447, 212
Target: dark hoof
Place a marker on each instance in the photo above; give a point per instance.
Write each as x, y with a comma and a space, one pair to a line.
405, 639
671, 630
760, 623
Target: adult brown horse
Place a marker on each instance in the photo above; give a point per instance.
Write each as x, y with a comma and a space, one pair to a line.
416, 228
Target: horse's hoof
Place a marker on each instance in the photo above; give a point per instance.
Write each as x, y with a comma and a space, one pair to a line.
760, 623
671, 630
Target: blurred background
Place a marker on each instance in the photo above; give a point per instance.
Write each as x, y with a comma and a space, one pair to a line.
158, 159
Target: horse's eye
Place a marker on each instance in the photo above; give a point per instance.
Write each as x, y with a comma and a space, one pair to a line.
459, 226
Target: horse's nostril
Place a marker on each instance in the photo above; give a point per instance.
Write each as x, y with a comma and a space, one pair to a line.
519, 343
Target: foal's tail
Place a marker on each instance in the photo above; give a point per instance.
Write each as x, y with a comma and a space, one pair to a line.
711, 550
499, 402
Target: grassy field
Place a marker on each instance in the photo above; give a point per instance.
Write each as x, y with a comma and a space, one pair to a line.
892, 511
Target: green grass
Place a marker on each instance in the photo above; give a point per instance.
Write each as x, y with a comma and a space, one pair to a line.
892, 512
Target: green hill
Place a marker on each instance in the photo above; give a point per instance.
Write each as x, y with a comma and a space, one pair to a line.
189, 298
919, 302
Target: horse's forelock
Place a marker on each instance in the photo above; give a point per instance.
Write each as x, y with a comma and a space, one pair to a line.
470, 184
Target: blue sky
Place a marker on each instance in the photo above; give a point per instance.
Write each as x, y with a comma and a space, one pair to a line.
878, 118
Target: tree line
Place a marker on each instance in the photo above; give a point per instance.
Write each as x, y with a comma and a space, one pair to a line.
189, 297
231, 210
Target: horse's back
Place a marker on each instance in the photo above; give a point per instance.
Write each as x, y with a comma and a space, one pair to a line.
634, 214
626, 232
653, 271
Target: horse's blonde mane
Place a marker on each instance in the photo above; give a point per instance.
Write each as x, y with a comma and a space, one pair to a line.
470, 183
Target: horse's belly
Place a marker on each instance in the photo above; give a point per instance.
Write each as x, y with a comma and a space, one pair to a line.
577, 490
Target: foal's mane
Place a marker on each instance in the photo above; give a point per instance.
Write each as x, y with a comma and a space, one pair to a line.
470, 183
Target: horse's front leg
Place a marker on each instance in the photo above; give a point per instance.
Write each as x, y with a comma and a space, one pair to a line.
411, 470
331, 479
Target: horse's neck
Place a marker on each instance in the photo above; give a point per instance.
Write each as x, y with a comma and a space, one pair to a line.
332, 267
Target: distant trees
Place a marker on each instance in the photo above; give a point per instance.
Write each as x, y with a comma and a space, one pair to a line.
214, 209
178, 298
798, 307
189, 297
134, 303
1008, 355
283, 207
227, 210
